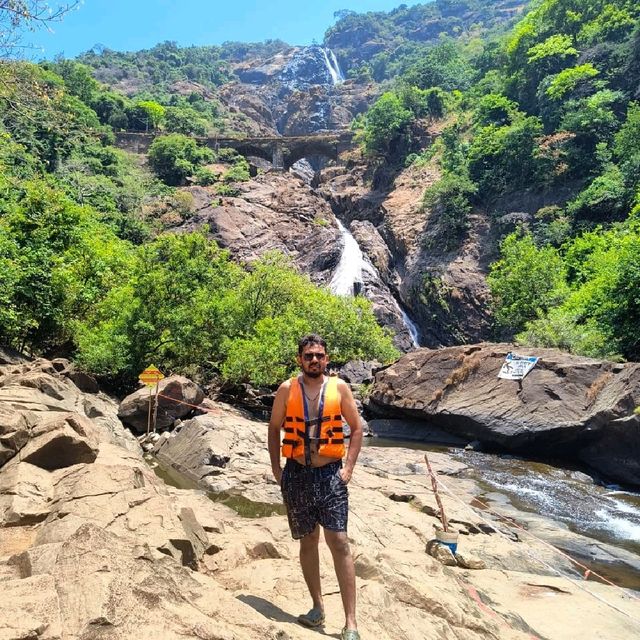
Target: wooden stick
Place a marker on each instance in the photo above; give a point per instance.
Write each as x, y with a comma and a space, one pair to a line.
434, 484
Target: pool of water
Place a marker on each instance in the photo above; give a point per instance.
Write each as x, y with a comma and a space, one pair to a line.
241, 505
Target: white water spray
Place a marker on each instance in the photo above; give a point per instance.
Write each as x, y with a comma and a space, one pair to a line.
351, 266
347, 279
332, 65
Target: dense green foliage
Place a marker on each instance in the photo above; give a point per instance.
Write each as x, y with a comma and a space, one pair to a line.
188, 307
57, 259
380, 45
160, 66
550, 108
583, 298
149, 109
449, 198
565, 282
175, 157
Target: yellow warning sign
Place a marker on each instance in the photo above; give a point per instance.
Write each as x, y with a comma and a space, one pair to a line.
151, 376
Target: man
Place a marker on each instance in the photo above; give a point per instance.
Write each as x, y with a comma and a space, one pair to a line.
311, 408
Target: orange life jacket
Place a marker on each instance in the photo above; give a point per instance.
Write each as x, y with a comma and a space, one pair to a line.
296, 423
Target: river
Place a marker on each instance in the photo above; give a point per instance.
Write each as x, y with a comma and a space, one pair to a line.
549, 500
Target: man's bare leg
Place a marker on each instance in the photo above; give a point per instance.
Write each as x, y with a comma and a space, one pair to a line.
310, 563
338, 544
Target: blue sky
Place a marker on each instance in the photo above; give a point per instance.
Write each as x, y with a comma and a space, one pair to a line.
129, 25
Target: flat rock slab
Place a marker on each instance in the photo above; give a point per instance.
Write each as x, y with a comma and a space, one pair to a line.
29, 608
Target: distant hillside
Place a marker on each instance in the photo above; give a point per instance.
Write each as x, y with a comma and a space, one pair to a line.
160, 67
382, 44
374, 45
273, 87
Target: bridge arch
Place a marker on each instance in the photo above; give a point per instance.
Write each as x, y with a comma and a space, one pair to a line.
253, 150
307, 149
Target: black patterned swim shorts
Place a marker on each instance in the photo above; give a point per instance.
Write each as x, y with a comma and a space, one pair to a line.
314, 495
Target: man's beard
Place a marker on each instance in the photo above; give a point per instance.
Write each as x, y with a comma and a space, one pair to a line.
316, 373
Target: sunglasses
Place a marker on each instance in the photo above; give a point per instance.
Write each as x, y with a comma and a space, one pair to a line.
309, 357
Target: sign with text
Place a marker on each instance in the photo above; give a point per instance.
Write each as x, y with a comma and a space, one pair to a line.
151, 376
516, 367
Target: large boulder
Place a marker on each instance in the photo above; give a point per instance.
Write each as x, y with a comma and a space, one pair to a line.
36, 395
14, 433
222, 453
25, 494
359, 371
177, 398
616, 451
565, 405
61, 445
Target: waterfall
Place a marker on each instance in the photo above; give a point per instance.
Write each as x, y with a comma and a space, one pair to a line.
348, 274
347, 279
413, 330
332, 65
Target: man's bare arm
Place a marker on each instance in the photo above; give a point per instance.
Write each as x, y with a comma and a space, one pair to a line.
352, 417
278, 413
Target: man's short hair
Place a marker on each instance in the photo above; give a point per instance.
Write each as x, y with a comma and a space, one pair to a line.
312, 338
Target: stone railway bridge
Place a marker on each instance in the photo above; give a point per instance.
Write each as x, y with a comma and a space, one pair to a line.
281, 151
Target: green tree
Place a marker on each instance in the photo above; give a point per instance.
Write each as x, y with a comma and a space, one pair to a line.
442, 66
619, 311
78, 79
495, 109
568, 79
449, 200
275, 305
170, 310
175, 157
38, 114
59, 262
146, 115
386, 128
593, 121
525, 282
627, 148
505, 158
185, 120
605, 199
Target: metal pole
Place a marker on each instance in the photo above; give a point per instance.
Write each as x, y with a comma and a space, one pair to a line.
155, 407
149, 415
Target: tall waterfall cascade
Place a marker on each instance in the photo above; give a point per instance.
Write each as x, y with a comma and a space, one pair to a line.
348, 275
332, 65
347, 279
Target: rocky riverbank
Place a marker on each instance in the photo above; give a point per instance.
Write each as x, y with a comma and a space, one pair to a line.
568, 406
93, 545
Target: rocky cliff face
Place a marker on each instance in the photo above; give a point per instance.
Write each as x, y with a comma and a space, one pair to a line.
279, 211
443, 291
295, 92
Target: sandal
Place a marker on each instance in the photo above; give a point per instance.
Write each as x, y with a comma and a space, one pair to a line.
349, 634
314, 618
